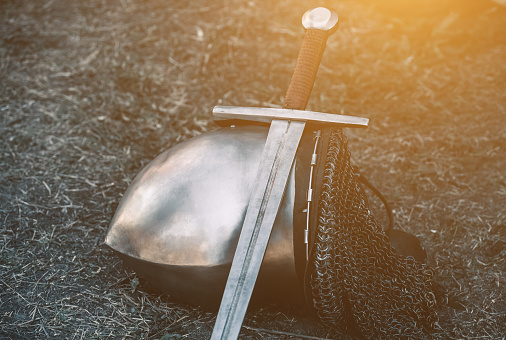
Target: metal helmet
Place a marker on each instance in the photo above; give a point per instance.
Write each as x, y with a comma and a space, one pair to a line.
178, 223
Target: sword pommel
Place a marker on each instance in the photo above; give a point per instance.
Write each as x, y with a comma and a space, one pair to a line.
321, 18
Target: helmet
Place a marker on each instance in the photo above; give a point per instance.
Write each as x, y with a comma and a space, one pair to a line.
179, 222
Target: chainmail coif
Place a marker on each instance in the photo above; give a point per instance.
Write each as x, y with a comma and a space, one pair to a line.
359, 281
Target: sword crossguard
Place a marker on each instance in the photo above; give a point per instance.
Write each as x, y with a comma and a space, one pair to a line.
319, 24
266, 115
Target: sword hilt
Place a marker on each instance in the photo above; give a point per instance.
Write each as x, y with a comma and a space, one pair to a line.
319, 23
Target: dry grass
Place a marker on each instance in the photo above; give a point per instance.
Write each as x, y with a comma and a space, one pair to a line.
92, 91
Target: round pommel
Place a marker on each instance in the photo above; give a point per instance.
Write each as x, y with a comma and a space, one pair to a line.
320, 18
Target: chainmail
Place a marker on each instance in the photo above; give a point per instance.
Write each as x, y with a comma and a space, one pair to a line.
359, 282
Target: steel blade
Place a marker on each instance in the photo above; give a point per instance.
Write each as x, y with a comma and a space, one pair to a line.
277, 160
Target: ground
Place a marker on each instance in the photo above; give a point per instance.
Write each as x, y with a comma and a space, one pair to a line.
92, 91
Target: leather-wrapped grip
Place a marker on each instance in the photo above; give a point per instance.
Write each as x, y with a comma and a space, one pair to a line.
306, 69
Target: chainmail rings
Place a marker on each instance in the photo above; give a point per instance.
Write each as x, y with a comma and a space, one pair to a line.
359, 281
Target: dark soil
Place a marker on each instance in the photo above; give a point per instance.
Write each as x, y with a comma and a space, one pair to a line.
91, 91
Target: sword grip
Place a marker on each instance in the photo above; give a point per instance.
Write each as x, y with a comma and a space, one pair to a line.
319, 23
306, 68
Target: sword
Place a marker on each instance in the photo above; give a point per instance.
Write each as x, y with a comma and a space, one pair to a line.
278, 155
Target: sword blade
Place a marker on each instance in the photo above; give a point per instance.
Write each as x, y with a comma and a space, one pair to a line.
277, 160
